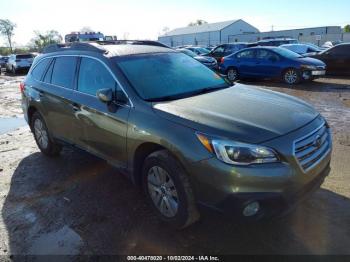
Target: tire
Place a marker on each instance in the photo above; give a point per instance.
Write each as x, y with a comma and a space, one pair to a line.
232, 74
168, 190
291, 76
42, 137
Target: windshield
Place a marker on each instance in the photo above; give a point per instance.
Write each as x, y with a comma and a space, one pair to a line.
168, 76
188, 52
286, 53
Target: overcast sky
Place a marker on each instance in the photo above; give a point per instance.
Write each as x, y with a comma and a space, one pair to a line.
145, 19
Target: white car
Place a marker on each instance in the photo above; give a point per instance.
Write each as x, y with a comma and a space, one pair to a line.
301, 49
19, 62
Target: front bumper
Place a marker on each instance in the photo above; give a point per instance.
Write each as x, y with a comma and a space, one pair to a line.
312, 74
272, 204
277, 187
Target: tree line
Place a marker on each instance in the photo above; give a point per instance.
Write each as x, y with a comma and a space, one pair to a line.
36, 44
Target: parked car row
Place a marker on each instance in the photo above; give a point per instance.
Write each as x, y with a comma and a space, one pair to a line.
17, 62
292, 62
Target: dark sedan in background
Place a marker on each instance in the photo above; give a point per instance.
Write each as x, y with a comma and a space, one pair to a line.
302, 49
336, 58
227, 49
271, 62
205, 60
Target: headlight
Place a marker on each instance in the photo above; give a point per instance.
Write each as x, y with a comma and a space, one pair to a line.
237, 153
309, 67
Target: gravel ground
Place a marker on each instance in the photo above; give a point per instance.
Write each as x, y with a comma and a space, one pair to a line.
78, 204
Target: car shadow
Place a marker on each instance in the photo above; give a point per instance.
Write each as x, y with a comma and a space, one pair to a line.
78, 204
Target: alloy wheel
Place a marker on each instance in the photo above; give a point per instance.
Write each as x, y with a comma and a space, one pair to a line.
162, 191
232, 74
291, 76
41, 133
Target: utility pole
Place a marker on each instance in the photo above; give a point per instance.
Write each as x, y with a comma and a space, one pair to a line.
272, 28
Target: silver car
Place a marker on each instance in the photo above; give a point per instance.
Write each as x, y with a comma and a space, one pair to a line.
302, 49
19, 62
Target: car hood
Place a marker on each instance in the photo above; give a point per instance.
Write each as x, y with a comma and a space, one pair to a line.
246, 114
311, 61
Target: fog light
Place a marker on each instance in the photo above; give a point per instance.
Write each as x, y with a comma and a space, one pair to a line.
251, 209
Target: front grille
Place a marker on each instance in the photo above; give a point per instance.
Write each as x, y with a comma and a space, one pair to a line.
311, 148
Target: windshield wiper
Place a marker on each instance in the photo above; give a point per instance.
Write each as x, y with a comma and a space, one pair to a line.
188, 94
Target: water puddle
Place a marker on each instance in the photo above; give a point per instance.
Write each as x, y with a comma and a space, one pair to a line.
10, 124
62, 242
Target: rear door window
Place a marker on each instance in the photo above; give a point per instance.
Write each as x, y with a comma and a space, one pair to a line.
266, 55
64, 71
248, 54
40, 69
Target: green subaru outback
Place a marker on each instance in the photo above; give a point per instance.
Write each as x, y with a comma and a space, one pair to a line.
178, 129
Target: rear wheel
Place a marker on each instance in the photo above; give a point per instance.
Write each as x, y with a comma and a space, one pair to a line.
232, 74
291, 76
42, 137
168, 190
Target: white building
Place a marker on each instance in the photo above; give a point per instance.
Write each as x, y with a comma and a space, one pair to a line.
207, 34
314, 34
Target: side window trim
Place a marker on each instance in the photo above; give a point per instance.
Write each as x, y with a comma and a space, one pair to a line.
76, 75
53, 57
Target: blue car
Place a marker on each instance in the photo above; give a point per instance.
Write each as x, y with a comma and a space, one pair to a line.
271, 62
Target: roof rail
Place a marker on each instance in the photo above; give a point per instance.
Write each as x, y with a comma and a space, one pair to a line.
132, 42
74, 46
97, 46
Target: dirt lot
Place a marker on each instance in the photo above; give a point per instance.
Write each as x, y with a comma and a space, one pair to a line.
77, 204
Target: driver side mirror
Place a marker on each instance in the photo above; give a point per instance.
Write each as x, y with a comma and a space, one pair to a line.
105, 95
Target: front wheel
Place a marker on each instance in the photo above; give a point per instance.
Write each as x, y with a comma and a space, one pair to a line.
291, 76
42, 138
168, 189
